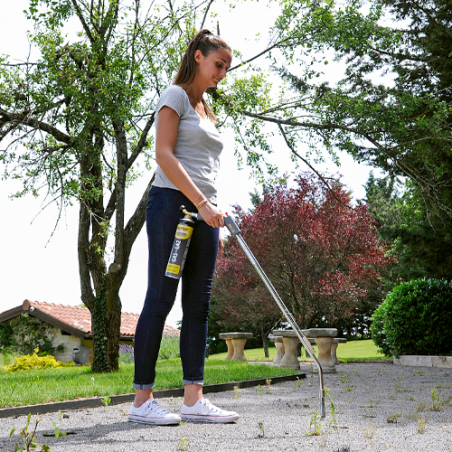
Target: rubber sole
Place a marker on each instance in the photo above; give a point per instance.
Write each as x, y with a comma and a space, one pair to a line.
209, 419
153, 421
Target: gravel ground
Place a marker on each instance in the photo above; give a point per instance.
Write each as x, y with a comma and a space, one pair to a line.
367, 397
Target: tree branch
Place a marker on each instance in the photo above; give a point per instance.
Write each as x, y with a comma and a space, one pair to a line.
141, 142
26, 120
205, 14
82, 20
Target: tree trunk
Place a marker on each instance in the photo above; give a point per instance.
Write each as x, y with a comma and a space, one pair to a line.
113, 322
100, 334
264, 342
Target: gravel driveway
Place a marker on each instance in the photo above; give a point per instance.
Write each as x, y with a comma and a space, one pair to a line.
379, 407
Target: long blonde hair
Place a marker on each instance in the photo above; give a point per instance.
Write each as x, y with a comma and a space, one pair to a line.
206, 42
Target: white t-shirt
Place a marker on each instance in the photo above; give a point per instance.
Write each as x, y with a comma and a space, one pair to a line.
198, 144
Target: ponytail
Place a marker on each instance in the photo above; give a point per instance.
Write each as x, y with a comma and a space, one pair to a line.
206, 42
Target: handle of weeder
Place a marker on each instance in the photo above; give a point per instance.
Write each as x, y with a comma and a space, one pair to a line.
228, 221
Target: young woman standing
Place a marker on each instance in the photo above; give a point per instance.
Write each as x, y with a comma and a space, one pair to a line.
188, 147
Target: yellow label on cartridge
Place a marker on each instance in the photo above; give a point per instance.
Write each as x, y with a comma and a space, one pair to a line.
183, 232
171, 268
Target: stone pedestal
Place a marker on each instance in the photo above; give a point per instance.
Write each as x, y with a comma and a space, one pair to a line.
324, 338
230, 349
236, 344
336, 342
290, 360
278, 340
290, 342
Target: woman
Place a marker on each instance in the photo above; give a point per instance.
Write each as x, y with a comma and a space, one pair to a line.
187, 152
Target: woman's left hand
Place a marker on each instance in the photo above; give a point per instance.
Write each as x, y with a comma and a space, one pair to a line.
212, 215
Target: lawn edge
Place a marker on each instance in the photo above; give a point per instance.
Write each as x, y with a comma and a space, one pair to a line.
123, 398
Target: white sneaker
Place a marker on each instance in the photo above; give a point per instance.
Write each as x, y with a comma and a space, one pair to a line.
204, 411
152, 413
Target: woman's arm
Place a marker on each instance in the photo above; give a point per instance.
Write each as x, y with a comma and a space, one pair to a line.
166, 135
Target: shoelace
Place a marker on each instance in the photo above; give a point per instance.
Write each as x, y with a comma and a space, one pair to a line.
209, 406
155, 407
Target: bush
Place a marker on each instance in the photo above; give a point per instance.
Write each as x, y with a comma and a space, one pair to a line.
415, 319
125, 353
169, 347
34, 361
25, 333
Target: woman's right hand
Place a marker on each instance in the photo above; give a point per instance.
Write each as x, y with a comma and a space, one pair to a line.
212, 215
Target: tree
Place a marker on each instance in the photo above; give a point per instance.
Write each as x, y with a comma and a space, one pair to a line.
239, 301
392, 105
320, 254
77, 122
421, 244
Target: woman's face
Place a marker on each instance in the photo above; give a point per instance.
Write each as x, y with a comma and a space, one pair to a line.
211, 69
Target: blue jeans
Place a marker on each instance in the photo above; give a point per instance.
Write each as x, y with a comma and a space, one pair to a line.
162, 217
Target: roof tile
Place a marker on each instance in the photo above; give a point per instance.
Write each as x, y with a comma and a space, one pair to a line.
80, 318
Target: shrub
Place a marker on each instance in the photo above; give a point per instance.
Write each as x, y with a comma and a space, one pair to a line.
34, 361
125, 353
169, 347
415, 319
6, 357
25, 333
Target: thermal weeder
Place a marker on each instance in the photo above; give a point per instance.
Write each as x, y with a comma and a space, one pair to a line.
180, 249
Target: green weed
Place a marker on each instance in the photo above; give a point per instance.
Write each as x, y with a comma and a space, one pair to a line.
314, 424
262, 431
436, 403
27, 438
369, 431
421, 406
183, 444
394, 418
420, 427
236, 393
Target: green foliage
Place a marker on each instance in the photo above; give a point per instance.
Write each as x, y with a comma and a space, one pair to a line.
420, 242
27, 440
34, 361
6, 336
169, 347
25, 333
415, 319
386, 100
31, 387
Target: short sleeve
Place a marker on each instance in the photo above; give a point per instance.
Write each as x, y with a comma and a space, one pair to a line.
174, 98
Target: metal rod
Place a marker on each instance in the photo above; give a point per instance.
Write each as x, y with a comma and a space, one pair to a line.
235, 231
289, 317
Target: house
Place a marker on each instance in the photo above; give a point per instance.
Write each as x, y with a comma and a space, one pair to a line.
71, 325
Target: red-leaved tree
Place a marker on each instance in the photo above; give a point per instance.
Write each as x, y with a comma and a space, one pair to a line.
321, 255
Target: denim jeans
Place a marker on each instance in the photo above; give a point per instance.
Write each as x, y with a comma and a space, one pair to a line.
162, 217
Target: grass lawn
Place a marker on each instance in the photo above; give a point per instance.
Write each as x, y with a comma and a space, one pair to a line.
30, 387
353, 350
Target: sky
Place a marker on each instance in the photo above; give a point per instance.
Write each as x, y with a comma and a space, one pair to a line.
38, 265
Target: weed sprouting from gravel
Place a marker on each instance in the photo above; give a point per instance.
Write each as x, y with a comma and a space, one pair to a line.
421, 406
436, 403
27, 438
394, 418
262, 431
236, 393
314, 424
420, 427
268, 383
369, 431
183, 444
